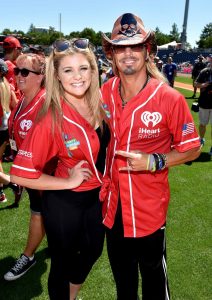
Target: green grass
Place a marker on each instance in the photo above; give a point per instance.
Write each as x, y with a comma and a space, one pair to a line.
189, 241
184, 79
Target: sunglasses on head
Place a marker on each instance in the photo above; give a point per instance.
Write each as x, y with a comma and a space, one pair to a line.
121, 48
24, 72
62, 45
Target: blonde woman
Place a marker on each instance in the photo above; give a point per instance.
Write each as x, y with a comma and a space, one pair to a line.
71, 131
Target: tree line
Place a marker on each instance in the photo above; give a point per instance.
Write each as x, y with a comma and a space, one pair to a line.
33, 36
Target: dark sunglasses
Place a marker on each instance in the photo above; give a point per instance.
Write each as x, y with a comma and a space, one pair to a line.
121, 48
62, 45
24, 72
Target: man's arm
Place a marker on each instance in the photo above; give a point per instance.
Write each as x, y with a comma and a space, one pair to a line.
138, 161
175, 158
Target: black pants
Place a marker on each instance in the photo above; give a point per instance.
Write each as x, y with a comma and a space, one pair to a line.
128, 256
75, 234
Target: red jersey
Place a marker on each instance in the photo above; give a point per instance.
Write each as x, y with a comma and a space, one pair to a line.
20, 123
76, 140
154, 121
12, 79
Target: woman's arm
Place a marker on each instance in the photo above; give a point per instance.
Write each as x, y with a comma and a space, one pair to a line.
4, 178
46, 182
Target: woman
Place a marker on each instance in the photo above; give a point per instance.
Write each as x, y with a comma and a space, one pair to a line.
71, 130
30, 80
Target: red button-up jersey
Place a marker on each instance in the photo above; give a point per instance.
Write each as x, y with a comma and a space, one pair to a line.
21, 121
154, 121
76, 140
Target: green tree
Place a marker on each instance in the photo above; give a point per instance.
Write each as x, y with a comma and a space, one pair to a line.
89, 33
174, 33
31, 28
98, 38
73, 34
205, 40
6, 31
161, 38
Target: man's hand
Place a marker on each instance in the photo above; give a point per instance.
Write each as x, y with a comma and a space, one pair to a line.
136, 160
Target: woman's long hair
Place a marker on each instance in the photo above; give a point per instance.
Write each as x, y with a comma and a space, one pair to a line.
55, 91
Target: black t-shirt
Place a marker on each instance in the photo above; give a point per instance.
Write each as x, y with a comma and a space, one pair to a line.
205, 98
197, 68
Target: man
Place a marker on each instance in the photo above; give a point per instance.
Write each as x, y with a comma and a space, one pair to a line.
152, 130
204, 82
159, 63
198, 66
12, 49
37, 49
170, 71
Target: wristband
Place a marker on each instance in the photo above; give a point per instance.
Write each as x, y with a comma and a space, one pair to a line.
160, 161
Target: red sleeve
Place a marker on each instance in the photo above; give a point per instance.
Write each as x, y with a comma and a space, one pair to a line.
36, 151
181, 125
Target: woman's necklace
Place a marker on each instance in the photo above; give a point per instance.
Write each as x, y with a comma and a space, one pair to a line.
124, 102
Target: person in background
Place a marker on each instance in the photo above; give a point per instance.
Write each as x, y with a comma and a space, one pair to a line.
108, 74
7, 102
159, 63
198, 66
29, 73
204, 82
37, 49
100, 67
12, 49
72, 129
170, 71
152, 130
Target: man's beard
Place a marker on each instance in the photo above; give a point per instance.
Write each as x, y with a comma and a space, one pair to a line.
129, 71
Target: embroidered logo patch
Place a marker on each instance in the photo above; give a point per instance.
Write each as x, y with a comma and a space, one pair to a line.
106, 110
188, 128
148, 117
71, 144
26, 125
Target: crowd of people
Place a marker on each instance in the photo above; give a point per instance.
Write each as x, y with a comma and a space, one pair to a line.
89, 149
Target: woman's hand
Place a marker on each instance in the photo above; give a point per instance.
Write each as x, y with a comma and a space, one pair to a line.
136, 160
78, 174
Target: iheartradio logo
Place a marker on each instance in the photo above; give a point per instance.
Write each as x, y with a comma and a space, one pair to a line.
26, 124
148, 117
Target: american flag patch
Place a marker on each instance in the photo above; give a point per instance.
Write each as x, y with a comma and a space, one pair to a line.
188, 128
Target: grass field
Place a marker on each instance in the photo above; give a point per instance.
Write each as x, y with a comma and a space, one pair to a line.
184, 79
189, 241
